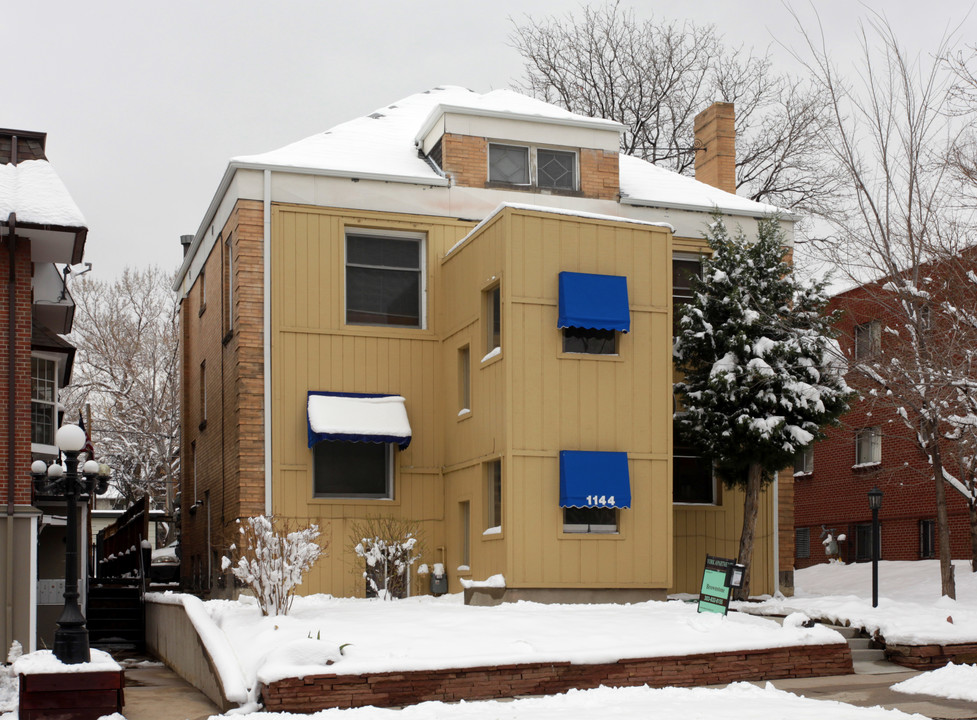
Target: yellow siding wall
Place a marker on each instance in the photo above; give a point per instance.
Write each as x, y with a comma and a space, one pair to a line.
313, 349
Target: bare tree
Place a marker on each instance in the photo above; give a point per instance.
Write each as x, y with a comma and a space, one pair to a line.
126, 333
902, 234
653, 77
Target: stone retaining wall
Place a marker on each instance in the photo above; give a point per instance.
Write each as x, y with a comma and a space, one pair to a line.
317, 692
929, 657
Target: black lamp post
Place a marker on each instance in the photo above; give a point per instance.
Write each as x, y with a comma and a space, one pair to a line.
71, 637
875, 504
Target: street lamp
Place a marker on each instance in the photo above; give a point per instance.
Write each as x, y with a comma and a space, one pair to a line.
71, 637
875, 504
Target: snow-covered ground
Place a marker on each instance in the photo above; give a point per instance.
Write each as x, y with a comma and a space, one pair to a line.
424, 633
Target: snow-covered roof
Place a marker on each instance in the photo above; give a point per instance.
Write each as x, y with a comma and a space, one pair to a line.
33, 190
383, 145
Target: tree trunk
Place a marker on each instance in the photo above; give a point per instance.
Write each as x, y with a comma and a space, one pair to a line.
751, 505
948, 586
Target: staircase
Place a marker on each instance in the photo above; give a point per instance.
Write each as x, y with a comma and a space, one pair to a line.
867, 657
116, 613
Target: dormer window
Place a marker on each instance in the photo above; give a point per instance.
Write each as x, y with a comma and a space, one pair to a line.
532, 167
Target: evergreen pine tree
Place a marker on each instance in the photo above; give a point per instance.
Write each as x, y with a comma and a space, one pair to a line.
763, 374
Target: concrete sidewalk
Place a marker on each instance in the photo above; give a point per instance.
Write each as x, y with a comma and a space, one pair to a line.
154, 692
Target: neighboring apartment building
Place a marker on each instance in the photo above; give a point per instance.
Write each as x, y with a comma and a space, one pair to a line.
40, 225
458, 310
872, 447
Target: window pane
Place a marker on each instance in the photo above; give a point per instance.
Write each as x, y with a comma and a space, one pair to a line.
42, 423
590, 520
682, 273
351, 469
42, 379
555, 169
495, 493
509, 164
585, 340
802, 543
379, 251
384, 297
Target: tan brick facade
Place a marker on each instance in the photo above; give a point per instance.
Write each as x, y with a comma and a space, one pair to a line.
465, 159
223, 420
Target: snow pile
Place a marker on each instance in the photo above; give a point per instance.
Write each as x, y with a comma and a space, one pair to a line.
957, 682
33, 190
739, 701
384, 416
44, 661
493, 581
910, 609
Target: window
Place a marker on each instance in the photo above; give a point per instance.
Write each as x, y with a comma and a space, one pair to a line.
684, 268
927, 539
509, 164
545, 168
44, 400
465, 527
863, 543
493, 494
556, 169
804, 461
868, 340
492, 312
228, 286
464, 381
693, 481
802, 543
384, 279
353, 469
202, 298
587, 340
868, 446
590, 520
203, 394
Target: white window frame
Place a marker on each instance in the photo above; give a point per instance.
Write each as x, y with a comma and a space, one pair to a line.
872, 437
388, 494
804, 461
42, 448
533, 169
491, 483
874, 330
421, 239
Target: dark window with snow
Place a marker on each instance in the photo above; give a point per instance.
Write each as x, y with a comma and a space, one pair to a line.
868, 446
509, 164
556, 169
384, 279
590, 341
927, 539
492, 316
684, 268
804, 462
693, 480
601, 520
802, 543
493, 494
464, 381
353, 469
868, 340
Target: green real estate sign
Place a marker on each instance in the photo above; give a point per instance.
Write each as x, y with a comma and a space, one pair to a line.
714, 595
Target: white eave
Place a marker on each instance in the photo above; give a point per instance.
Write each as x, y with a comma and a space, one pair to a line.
696, 207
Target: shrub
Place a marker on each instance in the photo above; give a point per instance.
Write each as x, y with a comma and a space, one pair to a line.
386, 548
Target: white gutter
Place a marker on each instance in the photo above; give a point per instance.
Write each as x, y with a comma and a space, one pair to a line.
739, 212
776, 532
32, 619
266, 308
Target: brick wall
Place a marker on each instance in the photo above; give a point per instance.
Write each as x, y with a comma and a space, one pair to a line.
317, 692
222, 451
465, 158
835, 494
20, 397
715, 135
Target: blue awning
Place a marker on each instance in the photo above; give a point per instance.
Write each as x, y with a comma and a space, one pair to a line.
595, 302
358, 417
594, 479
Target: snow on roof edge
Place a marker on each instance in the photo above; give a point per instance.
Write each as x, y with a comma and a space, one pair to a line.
555, 211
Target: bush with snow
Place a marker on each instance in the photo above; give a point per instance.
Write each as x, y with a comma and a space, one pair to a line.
272, 560
387, 547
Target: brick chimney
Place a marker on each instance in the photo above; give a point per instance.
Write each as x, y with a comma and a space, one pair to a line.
715, 155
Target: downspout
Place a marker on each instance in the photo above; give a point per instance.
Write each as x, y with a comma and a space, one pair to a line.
776, 533
8, 581
266, 350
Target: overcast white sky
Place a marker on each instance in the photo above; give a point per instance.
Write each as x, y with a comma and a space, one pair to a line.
145, 102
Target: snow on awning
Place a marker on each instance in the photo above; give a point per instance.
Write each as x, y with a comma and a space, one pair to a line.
594, 479
596, 302
358, 417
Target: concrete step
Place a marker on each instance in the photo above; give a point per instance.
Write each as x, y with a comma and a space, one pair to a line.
867, 655
846, 632
861, 643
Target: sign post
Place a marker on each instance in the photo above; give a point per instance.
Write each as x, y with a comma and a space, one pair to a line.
719, 577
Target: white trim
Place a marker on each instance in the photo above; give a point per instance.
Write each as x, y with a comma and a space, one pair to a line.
700, 208
266, 350
776, 532
32, 613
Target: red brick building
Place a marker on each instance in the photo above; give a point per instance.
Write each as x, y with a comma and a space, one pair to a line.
40, 225
873, 448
